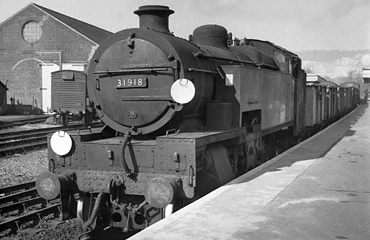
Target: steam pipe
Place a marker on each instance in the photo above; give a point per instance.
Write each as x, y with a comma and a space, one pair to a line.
94, 212
122, 155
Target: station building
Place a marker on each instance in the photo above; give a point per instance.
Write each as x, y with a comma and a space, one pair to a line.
35, 42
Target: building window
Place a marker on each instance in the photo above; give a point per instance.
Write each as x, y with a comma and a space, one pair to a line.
32, 32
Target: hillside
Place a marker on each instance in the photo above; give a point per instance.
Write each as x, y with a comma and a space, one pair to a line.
335, 65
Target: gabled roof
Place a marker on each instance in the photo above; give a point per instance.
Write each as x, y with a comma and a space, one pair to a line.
92, 33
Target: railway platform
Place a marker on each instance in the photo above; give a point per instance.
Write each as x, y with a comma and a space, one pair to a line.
319, 189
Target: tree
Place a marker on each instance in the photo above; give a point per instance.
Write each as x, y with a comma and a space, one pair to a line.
354, 76
309, 70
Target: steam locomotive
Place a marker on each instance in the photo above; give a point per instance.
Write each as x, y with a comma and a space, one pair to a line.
183, 117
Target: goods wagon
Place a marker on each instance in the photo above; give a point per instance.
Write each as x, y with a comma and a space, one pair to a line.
353, 91
329, 94
326, 102
316, 107
69, 97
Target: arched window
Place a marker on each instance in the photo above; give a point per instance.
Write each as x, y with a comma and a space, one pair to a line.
32, 31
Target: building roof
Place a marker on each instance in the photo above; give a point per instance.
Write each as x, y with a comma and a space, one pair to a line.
2, 84
92, 33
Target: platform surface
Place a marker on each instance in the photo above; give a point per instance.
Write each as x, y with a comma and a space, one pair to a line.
319, 189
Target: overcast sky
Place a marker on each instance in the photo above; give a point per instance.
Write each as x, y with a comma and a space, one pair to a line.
293, 24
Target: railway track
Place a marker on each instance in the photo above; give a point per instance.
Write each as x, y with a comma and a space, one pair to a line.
22, 208
21, 141
22, 145
20, 122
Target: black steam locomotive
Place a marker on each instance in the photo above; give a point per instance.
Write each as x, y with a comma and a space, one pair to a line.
183, 117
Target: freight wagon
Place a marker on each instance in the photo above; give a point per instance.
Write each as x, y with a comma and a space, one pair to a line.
69, 98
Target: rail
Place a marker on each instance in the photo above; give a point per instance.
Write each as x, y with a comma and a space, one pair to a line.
21, 207
21, 141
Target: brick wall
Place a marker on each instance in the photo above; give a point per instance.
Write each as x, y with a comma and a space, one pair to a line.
20, 61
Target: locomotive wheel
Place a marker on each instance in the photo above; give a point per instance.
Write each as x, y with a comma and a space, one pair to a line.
85, 205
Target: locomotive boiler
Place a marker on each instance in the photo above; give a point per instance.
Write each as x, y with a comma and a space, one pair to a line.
182, 118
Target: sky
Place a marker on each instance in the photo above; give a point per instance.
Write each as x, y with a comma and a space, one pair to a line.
296, 25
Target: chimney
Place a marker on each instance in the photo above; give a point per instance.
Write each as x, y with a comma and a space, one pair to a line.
154, 17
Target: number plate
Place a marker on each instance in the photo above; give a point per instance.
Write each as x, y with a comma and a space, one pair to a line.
137, 82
